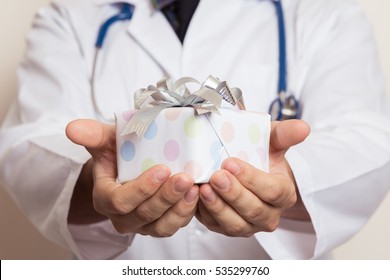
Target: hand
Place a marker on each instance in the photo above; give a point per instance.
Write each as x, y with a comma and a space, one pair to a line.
241, 200
153, 204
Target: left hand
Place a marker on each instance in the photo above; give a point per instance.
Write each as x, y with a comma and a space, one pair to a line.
241, 200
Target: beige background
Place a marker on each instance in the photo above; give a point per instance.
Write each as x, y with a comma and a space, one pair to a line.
19, 240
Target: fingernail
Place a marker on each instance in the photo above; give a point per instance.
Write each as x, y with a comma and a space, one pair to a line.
191, 195
161, 175
233, 167
181, 185
223, 182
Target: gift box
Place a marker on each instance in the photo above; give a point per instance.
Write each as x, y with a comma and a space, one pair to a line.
188, 141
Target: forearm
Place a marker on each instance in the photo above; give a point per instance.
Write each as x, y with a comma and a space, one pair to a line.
81, 210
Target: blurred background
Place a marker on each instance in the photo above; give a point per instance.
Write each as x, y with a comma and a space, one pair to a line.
19, 240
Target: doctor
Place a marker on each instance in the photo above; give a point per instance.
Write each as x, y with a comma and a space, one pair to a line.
331, 183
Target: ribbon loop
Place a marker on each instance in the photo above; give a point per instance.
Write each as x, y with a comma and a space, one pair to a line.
151, 101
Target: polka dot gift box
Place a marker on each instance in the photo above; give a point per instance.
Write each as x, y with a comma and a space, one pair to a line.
187, 141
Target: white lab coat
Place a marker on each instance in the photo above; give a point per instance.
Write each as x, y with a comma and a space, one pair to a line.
342, 169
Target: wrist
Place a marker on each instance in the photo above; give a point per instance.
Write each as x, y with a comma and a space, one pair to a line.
298, 211
81, 210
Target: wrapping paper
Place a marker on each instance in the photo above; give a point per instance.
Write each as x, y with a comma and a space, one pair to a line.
193, 143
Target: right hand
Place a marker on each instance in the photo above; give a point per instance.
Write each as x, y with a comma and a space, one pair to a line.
155, 203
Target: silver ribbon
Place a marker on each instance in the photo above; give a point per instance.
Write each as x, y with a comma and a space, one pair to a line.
165, 94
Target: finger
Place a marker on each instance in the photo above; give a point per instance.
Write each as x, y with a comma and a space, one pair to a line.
286, 134
230, 223
91, 134
275, 189
248, 205
117, 199
99, 140
204, 216
176, 217
169, 194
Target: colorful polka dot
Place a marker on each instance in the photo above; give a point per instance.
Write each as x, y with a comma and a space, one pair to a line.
215, 150
146, 164
171, 150
127, 151
217, 164
254, 133
172, 114
227, 131
151, 132
193, 168
243, 155
193, 127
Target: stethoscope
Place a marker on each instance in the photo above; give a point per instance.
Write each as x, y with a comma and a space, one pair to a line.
284, 107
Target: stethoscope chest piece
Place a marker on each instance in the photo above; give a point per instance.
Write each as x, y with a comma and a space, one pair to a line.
285, 107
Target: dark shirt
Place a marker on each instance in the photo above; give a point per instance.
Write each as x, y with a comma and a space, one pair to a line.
178, 13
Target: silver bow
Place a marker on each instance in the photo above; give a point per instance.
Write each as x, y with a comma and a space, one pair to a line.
165, 94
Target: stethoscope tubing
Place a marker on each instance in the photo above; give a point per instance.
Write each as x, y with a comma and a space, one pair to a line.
126, 13
282, 83
284, 106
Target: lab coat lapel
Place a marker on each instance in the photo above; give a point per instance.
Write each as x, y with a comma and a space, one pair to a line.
153, 33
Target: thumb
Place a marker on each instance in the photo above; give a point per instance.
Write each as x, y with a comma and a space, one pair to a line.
91, 134
286, 134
